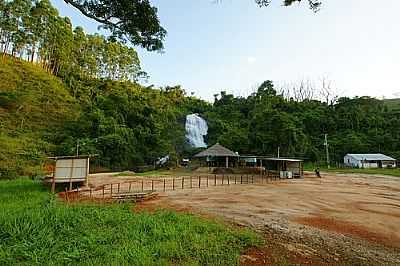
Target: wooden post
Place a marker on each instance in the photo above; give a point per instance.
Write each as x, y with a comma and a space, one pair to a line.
207, 180
103, 191
111, 189
164, 184
183, 182
235, 179
241, 179
87, 171
152, 185
53, 183
215, 180
199, 181
173, 183
130, 185
142, 185
223, 176
191, 183
90, 193
70, 174
118, 188
228, 180
66, 195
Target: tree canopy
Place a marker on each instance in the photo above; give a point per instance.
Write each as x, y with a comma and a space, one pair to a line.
137, 20
133, 20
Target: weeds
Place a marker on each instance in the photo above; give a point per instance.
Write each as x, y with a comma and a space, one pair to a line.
35, 228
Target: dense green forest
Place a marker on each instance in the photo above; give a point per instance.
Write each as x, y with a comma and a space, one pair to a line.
61, 88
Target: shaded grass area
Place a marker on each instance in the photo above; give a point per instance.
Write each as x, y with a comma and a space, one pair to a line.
36, 228
162, 172
373, 171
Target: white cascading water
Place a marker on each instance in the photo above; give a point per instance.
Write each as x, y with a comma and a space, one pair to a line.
196, 129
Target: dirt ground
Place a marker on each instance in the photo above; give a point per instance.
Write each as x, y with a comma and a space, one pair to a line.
340, 219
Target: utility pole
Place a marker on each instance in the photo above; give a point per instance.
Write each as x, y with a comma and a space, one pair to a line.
77, 147
327, 150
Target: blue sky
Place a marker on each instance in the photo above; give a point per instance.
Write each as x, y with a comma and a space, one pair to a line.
233, 45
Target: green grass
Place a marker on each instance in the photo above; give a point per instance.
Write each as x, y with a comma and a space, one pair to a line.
373, 171
36, 228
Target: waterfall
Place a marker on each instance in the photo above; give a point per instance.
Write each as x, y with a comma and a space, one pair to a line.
196, 129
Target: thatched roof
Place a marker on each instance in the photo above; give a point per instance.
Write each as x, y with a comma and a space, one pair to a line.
218, 151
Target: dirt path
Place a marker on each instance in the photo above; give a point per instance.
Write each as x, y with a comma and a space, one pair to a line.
341, 219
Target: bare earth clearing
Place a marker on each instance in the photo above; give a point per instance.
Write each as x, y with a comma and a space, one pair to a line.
340, 219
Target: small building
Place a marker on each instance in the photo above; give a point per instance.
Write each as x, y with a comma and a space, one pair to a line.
369, 160
218, 156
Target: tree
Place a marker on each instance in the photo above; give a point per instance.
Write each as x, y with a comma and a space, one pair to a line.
314, 4
133, 20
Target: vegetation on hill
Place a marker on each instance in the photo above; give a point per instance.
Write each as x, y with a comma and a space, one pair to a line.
392, 104
266, 120
34, 106
35, 228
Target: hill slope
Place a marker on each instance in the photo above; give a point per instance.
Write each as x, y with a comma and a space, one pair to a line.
392, 104
33, 104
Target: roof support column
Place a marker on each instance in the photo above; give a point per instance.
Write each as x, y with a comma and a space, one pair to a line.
226, 162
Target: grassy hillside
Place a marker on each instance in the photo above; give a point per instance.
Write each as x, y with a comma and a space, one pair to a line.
392, 104
35, 228
33, 105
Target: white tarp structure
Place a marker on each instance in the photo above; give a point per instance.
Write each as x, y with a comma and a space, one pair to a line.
75, 169
70, 169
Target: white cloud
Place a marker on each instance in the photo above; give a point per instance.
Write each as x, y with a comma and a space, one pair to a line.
251, 60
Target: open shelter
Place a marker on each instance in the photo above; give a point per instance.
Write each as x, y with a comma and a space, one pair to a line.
217, 156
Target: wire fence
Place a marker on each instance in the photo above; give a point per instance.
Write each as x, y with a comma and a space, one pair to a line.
139, 188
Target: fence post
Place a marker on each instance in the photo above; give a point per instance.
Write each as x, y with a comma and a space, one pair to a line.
207, 180
66, 195
241, 179
111, 189
228, 180
199, 181
191, 183
252, 179
173, 183
118, 188
215, 180
90, 193
152, 185
164, 184
235, 179
223, 176
142, 185
103, 191
183, 181
130, 186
